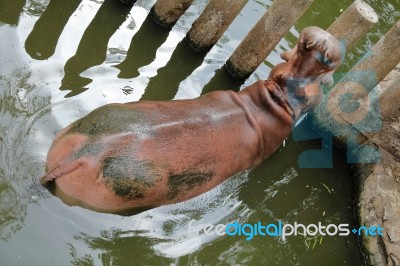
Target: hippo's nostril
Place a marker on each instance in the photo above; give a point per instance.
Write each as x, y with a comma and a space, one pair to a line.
281, 78
284, 56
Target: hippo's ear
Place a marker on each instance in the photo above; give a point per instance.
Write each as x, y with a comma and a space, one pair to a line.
306, 42
309, 44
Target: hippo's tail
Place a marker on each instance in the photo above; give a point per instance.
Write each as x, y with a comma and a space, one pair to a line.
61, 169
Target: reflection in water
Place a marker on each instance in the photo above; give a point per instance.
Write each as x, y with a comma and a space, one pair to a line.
10, 11
12, 211
42, 41
22, 109
143, 48
183, 62
162, 233
92, 48
113, 248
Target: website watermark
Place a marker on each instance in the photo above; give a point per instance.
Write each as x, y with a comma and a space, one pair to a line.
281, 230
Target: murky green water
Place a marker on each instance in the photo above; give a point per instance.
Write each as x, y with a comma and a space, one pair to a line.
61, 59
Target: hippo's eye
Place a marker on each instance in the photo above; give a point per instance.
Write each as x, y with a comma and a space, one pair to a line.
324, 59
328, 61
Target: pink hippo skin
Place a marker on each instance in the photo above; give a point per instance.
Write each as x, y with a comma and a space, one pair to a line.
145, 154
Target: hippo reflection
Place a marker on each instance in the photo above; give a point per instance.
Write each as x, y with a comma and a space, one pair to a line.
151, 153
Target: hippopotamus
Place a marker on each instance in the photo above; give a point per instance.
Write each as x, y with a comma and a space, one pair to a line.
145, 154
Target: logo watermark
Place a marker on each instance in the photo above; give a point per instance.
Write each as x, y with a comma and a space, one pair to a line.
349, 109
281, 230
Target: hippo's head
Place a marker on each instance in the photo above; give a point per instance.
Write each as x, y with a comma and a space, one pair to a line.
311, 62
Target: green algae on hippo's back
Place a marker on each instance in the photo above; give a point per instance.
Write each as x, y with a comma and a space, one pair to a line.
187, 180
109, 119
128, 177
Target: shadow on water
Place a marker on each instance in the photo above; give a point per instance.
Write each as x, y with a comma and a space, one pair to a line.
183, 62
42, 41
143, 47
92, 48
222, 80
10, 11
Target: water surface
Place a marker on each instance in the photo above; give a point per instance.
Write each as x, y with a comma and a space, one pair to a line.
61, 59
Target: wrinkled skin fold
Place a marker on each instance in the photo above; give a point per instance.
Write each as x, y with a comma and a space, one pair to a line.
146, 154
